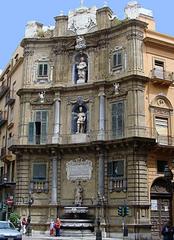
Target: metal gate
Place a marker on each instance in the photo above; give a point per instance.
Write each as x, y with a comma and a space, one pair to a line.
161, 199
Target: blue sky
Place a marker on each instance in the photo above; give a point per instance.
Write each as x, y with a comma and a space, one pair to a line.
14, 15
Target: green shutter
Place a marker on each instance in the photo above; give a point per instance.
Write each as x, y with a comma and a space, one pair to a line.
31, 132
117, 119
110, 169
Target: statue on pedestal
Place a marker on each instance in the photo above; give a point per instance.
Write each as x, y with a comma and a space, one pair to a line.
81, 70
81, 118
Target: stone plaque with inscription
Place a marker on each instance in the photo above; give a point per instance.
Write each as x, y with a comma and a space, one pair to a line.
79, 169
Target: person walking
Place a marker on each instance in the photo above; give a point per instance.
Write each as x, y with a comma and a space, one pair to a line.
167, 231
57, 226
23, 225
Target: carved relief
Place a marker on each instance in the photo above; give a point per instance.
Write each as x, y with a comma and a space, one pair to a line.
79, 169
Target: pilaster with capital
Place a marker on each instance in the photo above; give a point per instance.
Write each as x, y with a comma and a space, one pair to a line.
101, 114
135, 50
56, 128
53, 177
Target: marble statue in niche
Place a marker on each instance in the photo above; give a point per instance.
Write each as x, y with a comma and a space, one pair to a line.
79, 119
81, 68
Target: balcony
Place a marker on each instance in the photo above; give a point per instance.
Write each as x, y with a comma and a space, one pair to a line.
10, 98
6, 182
88, 137
39, 186
3, 118
3, 152
164, 78
118, 184
3, 90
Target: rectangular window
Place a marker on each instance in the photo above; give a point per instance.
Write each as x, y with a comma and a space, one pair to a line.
161, 165
159, 69
43, 70
118, 119
116, 168
38, 128
39, 171
117, 60
161, 125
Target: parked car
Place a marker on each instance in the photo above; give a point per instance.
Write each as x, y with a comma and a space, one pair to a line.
8, 231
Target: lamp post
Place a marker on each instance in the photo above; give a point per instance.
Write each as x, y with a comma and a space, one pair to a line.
99, 205
30, 202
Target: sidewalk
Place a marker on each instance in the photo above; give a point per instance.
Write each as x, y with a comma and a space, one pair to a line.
46, 236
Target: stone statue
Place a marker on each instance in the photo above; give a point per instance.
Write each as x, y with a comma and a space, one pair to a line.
78, 194
81, 118
80, 43
116, 88
81, 70
42, 96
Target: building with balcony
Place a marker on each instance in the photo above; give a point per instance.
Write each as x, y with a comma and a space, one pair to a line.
10, 82
96, 114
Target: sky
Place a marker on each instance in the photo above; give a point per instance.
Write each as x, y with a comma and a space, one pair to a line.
14, 14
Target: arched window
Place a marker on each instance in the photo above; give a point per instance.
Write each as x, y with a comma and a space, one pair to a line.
79, 119
81, 68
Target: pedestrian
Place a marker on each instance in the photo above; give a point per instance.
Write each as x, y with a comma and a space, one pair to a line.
51, 228
23, 225
167, 231
57, 226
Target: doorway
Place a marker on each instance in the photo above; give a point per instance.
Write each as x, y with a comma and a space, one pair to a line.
161, 206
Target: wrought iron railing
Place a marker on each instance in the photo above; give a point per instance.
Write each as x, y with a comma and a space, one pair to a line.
162, 74
92, 136
39, 186
117, 184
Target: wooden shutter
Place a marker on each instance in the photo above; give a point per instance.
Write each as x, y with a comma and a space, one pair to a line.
117, 119
39, 171
31, 132
110, 169
118, 168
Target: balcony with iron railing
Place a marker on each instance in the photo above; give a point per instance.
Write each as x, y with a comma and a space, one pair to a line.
161, 77
6, 181
117, 184
90, 136
39, 186
3, 89
3, 152
3, 117
10, 98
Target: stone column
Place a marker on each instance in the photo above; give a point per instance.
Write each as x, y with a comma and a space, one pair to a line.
56, 129
54, 180
101, 162
101, 115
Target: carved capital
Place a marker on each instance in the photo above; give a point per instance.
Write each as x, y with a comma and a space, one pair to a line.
135, 34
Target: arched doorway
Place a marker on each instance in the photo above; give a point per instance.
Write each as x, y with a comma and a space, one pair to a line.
161, 206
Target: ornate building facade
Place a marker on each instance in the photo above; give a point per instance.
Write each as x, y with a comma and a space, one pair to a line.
96, 121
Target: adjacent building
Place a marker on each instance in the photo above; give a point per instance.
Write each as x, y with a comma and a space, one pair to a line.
94, 124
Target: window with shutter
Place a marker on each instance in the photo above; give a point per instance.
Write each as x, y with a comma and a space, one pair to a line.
116, 168
39, 171
118, 119
117, 60
38, 129
43, 70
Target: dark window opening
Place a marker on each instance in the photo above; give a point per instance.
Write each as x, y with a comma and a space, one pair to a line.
161, 166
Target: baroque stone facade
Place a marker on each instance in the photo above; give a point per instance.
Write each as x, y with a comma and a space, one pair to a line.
94, 122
